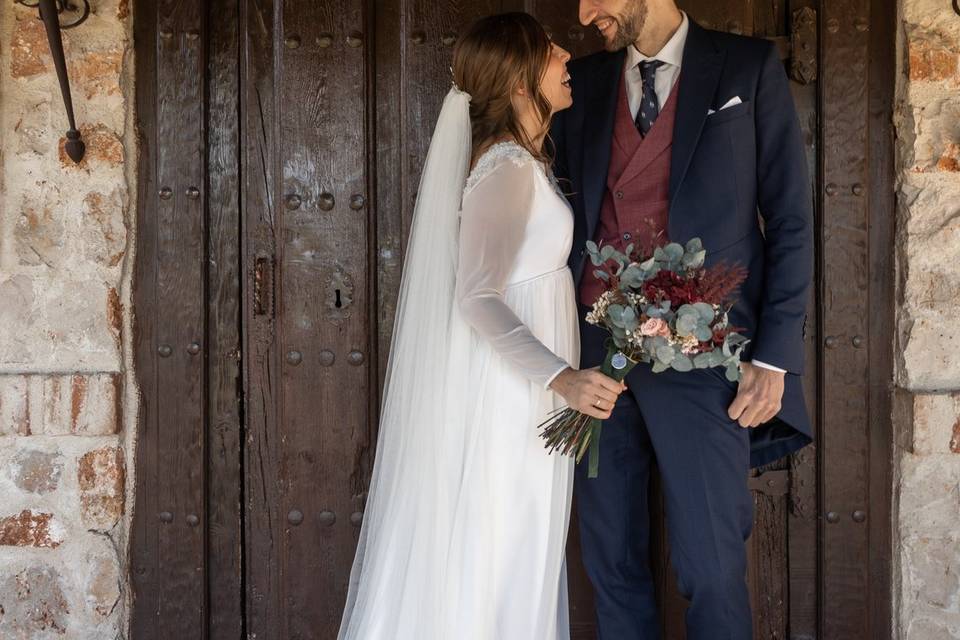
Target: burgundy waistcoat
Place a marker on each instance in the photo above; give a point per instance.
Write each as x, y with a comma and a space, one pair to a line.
636, 199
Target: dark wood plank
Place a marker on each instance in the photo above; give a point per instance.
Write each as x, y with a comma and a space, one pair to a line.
180, 303
144, 535
322, 301
263, 514
802, 521
882, 327
735, 16
224, 433
844, 432
768, 562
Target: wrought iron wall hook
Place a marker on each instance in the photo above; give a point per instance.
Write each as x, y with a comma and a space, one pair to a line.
64, 6
50, 11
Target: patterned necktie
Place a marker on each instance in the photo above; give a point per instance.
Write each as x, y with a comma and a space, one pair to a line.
649, 105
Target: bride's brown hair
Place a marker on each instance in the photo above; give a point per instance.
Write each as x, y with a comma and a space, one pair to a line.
497, 55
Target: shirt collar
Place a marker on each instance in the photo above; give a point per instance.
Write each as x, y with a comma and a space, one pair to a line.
671, 53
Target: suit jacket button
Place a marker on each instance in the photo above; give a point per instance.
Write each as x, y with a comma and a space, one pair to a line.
627, 236
619, 195
581, 252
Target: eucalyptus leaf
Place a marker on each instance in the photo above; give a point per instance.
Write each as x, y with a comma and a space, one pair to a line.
694, 260
660, 341
666, 354
705, 310
703, 333
694, 245
733, 372
673, 251
603, 275
726, 348
703, 360
681, 363
686, 324
632, 277
659, 367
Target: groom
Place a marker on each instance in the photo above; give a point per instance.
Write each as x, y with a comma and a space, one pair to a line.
679, 132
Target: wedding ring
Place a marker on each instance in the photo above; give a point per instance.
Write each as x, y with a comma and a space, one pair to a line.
597, 404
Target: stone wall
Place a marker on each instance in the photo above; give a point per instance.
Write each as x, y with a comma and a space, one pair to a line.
927, 453
66, 392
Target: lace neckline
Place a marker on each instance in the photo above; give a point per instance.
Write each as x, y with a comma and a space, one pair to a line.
512, 151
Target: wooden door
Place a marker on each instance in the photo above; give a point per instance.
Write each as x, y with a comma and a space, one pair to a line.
281, 147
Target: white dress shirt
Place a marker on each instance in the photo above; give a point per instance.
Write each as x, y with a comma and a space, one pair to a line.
671, 55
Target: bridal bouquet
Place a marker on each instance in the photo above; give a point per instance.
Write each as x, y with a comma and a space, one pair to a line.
666, 309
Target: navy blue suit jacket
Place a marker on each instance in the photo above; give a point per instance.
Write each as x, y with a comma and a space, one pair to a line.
726, 168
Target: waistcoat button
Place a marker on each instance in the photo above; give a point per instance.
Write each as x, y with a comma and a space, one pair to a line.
627, 236
619, 195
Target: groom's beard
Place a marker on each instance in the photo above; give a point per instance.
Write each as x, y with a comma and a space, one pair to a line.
629, 26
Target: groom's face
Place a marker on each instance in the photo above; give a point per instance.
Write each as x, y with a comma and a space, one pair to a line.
619, 21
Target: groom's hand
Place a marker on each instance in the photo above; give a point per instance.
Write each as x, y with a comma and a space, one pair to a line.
759, 396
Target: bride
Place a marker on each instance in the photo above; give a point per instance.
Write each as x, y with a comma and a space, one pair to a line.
466, 520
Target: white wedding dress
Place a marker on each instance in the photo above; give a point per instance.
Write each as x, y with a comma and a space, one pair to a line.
466, 523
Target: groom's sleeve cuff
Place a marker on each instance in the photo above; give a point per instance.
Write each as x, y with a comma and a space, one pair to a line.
764, 365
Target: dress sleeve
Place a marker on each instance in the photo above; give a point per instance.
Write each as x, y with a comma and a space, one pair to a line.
492, 227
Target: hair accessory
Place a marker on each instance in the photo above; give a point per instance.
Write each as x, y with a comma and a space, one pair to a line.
458, 89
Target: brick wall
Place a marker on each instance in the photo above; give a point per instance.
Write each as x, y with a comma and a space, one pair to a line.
66, 392
927, 456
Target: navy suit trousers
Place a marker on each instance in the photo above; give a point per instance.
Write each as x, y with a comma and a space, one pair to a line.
680, 421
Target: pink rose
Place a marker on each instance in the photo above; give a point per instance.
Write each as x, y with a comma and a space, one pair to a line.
654, 327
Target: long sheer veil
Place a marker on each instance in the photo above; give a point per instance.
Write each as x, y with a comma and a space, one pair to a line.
399, 568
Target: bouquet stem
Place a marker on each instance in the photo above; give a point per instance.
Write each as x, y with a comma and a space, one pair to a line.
575, 433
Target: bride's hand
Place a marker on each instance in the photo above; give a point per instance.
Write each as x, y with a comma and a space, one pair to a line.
588, 391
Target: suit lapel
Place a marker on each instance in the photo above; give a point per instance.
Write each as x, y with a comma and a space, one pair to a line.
699, 76
598, 133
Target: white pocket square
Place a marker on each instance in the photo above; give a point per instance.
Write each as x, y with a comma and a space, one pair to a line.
735, 100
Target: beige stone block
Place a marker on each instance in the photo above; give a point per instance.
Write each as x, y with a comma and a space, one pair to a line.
935, 126
931, 628
81, 404
29, 51
930, 570
930, 257
33, 604
929, 496
101, 477
97, 73
101, 583
58, 321
936, 422
40, 233
36, 471
31, 529
104, 230
950, 158
931, 60
14, 405
17, 312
